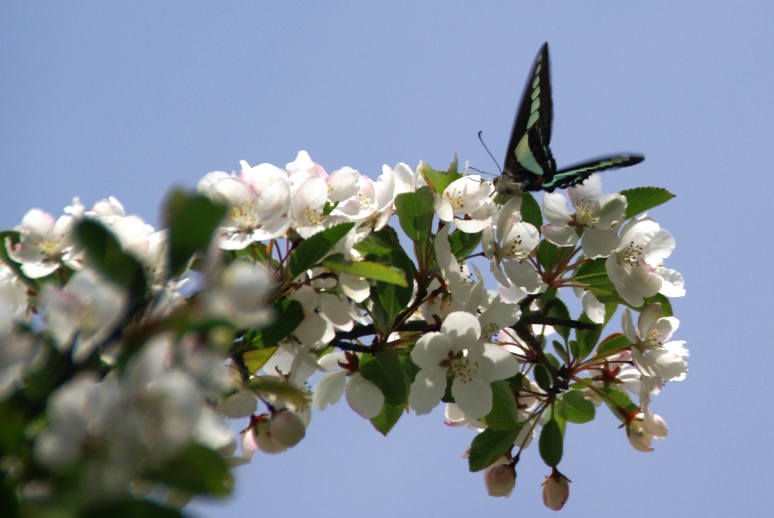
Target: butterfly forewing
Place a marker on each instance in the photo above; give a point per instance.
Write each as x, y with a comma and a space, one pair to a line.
529, 158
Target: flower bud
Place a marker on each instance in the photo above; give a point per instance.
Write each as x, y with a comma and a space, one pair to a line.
556, 491
500, 480
286, 428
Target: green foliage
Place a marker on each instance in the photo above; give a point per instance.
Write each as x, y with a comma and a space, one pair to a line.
463, 243
642, 199
197, 470
439, 180
312, 250
504, 414
286, 315
369, 270
192, 220
105, 253
488, 446
551, 443
127, 508
575, 408
530, 210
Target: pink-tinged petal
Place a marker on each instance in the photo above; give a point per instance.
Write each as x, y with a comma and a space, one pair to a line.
37, 222
364, 397
427, 389
473, 396
508, 215
555, 209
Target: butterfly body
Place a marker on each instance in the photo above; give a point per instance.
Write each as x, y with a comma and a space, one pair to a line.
529, 163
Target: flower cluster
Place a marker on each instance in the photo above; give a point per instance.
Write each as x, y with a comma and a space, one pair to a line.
276, 290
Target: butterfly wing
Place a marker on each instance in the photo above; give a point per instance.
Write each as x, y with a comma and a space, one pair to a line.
573, 175
528, 162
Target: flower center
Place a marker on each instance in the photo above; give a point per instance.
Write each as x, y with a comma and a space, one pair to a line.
584, 213
630, 255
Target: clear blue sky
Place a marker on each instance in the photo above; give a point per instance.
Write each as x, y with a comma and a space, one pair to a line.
100, 99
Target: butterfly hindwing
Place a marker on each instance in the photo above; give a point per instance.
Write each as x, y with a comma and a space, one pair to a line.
574, 175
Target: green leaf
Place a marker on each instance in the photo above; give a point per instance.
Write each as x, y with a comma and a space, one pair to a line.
376, 243
547, 254
490, 445
551, 443
273, 385
9, 502
587, 338
618, 401
666, 305
613, 343
543, 377
594, 275
439, 180
504, 414
256, 359
530, 210
385, 369
575, 408
287, 314
559, 310
192, 220
390, 299
367, 269
415, 212
128, 508
463, 243
312, 250
387, 418
106, 255
642, 199
197, 470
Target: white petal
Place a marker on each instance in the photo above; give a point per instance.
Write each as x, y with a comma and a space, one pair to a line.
364, 397
555, 209
329, 389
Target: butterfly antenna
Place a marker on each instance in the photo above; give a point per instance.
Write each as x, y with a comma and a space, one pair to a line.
490, 153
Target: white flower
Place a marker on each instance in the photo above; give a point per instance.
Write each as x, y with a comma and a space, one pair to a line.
508, 244
238, 294
84, 312
595, 216
635, 265
652, 353
258, 202
45, 244
466, 196
362, 395
646, 425
457, 349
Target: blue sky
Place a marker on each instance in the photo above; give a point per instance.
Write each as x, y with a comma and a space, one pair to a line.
100, 99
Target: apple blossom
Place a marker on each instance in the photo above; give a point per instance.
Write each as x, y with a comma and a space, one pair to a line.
652, 352
45, 244
457, 349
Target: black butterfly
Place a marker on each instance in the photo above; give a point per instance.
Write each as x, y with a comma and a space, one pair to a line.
529, 164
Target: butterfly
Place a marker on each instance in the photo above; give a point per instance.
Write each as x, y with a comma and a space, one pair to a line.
529, 164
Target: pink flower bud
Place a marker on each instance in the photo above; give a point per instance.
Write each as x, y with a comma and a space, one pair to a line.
500, 480
556, 491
